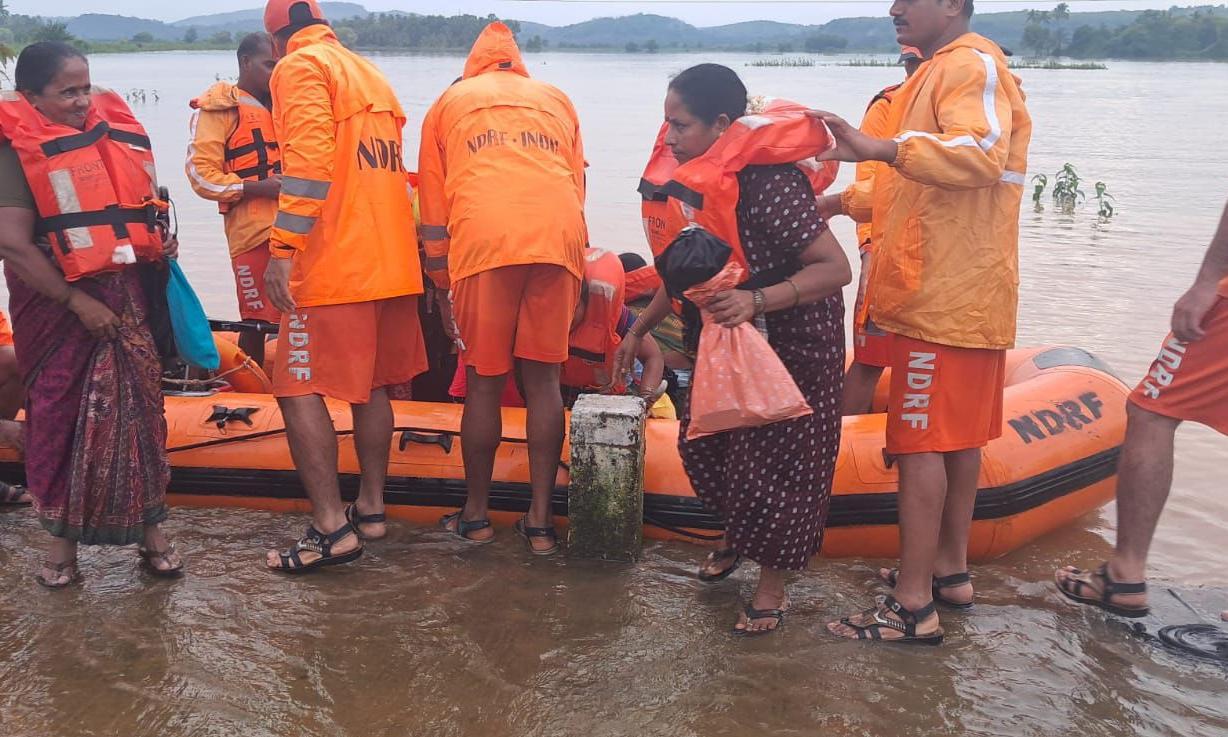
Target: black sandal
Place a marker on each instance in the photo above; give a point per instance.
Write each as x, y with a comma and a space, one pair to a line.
320, 544
1101, 598
528, 533
752, 614
940, 583
11, 495
60, 569
355, 519
464, 527
148, 558
905, 625
717, 556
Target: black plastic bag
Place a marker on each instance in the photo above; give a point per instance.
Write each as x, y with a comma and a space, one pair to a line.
694, 257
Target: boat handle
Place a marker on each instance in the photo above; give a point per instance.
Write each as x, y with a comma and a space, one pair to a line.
223, 415
442, 440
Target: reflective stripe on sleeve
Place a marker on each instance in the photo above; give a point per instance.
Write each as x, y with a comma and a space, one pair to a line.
298, 224
435, 263
433, 232
315, 189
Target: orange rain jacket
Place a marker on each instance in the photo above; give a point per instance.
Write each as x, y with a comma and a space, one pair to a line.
344, 213
222, 128
873, 124
946, 269
501, 170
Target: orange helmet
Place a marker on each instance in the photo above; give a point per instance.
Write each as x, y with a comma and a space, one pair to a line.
907, 53
277, 13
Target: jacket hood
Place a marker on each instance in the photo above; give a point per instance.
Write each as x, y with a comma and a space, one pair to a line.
495, 51
221, 96
976, 42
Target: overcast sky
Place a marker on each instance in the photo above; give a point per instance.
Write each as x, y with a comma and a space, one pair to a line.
562, 12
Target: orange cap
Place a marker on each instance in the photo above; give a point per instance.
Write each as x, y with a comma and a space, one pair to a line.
906, 53
277, 13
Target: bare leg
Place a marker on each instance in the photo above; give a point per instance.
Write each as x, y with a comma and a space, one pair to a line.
769, 594
12, 391
253, 345
313, 447
545, 430
922, 498
963, 469
1144, 478
859, 385
481, 428
373, 440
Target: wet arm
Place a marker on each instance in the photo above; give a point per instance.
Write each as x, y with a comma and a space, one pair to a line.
649, 354
973, 142
303, 118
1215, 263
17, 249
206, 157
434, 211
825, 271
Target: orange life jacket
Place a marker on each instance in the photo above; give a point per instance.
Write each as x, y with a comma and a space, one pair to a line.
704, 191
592, 343
95, 189
251, 151
643, 282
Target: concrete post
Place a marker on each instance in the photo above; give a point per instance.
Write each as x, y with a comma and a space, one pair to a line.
605, 501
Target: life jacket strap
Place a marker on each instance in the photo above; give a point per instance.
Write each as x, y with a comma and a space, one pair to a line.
64, 144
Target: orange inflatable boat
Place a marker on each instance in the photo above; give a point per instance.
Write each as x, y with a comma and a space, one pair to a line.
1056, 461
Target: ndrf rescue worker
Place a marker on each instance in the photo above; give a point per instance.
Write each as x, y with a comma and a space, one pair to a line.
944, 282
501, 188
344, 272
233, 159
871, 345
1188, 381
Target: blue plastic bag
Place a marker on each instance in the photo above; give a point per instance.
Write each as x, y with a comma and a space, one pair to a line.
193, 338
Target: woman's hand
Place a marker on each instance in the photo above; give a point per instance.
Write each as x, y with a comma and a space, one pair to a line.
624, 357
170, 247
97, 318
732, 308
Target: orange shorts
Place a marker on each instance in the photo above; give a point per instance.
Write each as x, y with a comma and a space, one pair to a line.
1189, 381
6, 330
871, 344
515, 312
943, 398
249, 270
346, 351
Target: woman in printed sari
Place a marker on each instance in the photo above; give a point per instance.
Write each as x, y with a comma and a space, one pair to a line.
95, 454
771, 485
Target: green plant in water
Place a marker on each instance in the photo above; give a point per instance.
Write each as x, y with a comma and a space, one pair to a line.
1105, 211
1041, 181
1066, 192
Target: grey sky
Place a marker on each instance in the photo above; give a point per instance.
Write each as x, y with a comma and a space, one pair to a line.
570, 11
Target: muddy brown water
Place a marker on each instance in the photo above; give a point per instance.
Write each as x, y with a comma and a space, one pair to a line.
427, 636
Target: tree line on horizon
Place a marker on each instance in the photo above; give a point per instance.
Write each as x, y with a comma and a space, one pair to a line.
1155, 34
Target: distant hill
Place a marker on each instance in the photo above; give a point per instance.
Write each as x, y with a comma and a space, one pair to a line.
252, 19
860, 34
102, 27
99, 27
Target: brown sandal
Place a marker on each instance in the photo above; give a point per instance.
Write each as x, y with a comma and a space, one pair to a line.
150, 559
1074, 587
12, 495
60, 569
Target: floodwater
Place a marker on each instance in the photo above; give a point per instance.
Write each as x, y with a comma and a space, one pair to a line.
428, 637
